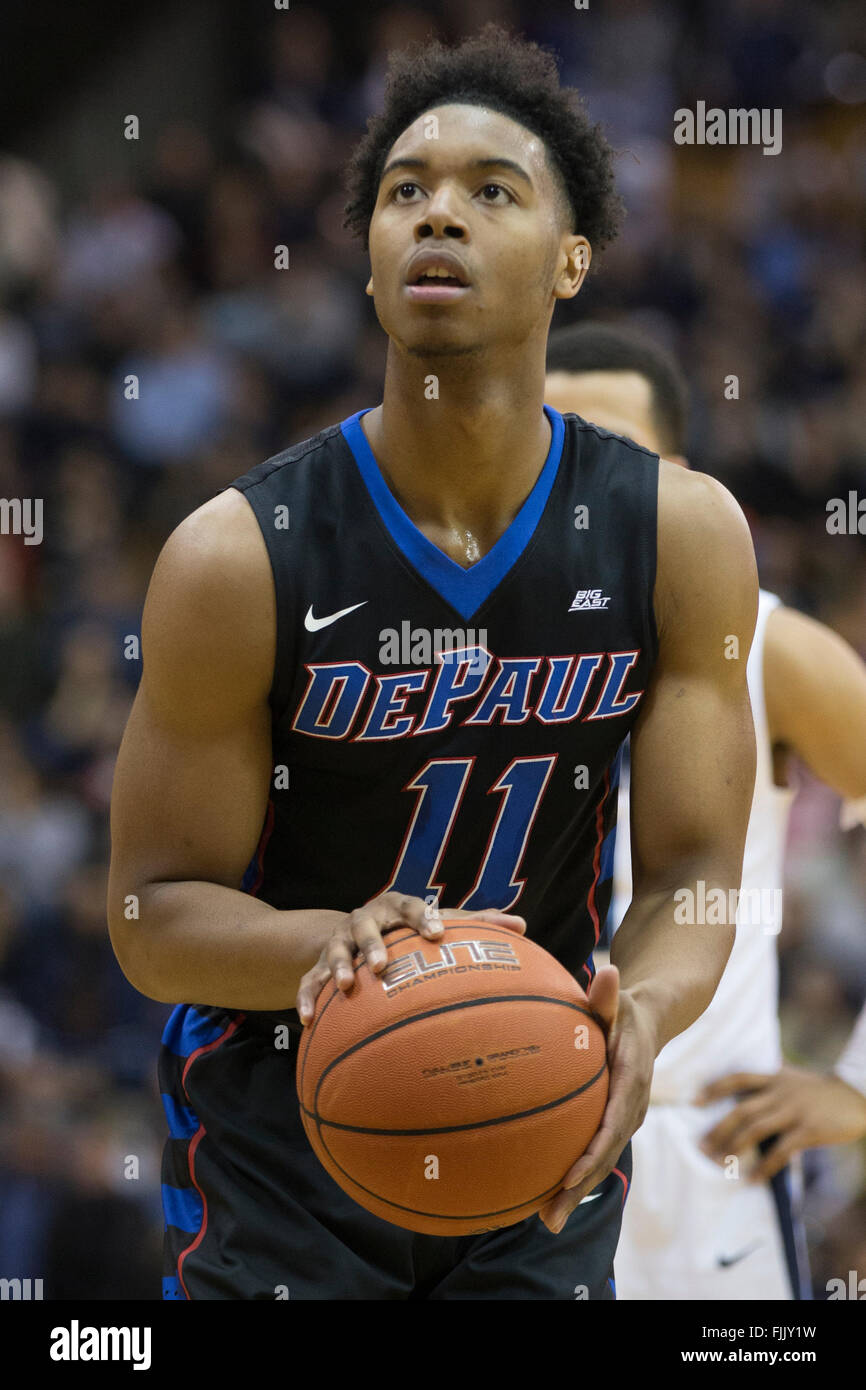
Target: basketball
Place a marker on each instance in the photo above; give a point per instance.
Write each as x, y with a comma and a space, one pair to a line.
451, 1093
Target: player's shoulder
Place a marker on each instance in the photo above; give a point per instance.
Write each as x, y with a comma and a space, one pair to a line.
594, 439
209, 621
698, 514
217, 546
706, 559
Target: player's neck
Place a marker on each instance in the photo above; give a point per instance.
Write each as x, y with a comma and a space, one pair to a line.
461, 462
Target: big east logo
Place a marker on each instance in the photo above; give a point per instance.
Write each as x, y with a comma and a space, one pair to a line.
418, 966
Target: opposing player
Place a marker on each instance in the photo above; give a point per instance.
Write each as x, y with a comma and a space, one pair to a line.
291, 784
693, 1228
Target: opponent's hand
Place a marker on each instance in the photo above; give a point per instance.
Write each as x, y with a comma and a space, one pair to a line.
362, 930
631, 1054
803, 1109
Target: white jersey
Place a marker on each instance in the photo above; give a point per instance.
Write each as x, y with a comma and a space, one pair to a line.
739, 1031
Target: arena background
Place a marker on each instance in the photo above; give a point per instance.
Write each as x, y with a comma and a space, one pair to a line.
155, 256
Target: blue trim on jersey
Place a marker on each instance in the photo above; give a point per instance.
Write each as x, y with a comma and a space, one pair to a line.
612, 1286
187, 1030
464, 589
183, 1208
171, 1288
182, 1119
605, 862
250, 873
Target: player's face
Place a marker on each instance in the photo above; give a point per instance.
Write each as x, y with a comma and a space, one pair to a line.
618, 401
475, 186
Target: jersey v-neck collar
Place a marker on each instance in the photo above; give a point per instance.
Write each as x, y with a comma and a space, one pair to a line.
464, 589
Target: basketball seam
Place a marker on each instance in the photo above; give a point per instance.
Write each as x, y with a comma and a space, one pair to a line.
456, 1129
437, 1216
443, 1009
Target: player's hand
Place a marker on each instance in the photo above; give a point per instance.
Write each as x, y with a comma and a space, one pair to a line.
803, 1109
631, 1055
362, 930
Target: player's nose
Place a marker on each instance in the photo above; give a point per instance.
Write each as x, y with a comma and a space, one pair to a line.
441, 215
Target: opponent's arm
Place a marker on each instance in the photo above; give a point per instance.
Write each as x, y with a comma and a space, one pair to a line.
693, 772
815, 693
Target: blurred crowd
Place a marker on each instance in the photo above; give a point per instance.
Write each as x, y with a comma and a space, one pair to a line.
747, 266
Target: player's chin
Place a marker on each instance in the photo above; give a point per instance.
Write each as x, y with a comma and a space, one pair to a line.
430, 328
439, 340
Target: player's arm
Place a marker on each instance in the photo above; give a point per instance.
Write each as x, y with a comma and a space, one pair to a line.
693, 773
815, 693
191, 790
692, 754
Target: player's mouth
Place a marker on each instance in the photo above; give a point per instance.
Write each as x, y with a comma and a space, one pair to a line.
436, 277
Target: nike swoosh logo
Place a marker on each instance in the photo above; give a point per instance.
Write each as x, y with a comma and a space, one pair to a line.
724, 1261
313, 624
591, 1198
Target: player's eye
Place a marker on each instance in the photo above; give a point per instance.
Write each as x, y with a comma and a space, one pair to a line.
496, 188
401, 188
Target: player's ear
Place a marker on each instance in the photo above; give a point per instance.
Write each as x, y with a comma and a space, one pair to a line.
369, 289
575, 256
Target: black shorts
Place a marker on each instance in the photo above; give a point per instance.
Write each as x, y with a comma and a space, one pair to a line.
252, 1214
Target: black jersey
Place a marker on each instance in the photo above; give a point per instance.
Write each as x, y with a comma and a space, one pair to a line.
448, 732
453, 732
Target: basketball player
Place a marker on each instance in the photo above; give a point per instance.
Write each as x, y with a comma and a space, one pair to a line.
691, 1228
286, 791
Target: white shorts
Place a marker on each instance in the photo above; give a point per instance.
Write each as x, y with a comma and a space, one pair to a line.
691, 1232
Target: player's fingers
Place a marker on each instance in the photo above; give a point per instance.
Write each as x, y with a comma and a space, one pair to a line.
626, 1106
309, 989
752, 1129
730, 1085
741, 1115
339, 958
606, 1145
782, 1152
764, 1127
403, 909
618, 1123
365, 926
556, 1212
603, 995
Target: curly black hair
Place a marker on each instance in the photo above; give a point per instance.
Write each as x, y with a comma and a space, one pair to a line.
509, 74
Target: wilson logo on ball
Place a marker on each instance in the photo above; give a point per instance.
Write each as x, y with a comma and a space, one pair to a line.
416, 964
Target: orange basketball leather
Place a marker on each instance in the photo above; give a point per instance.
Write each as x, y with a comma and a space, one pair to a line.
452, 1093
